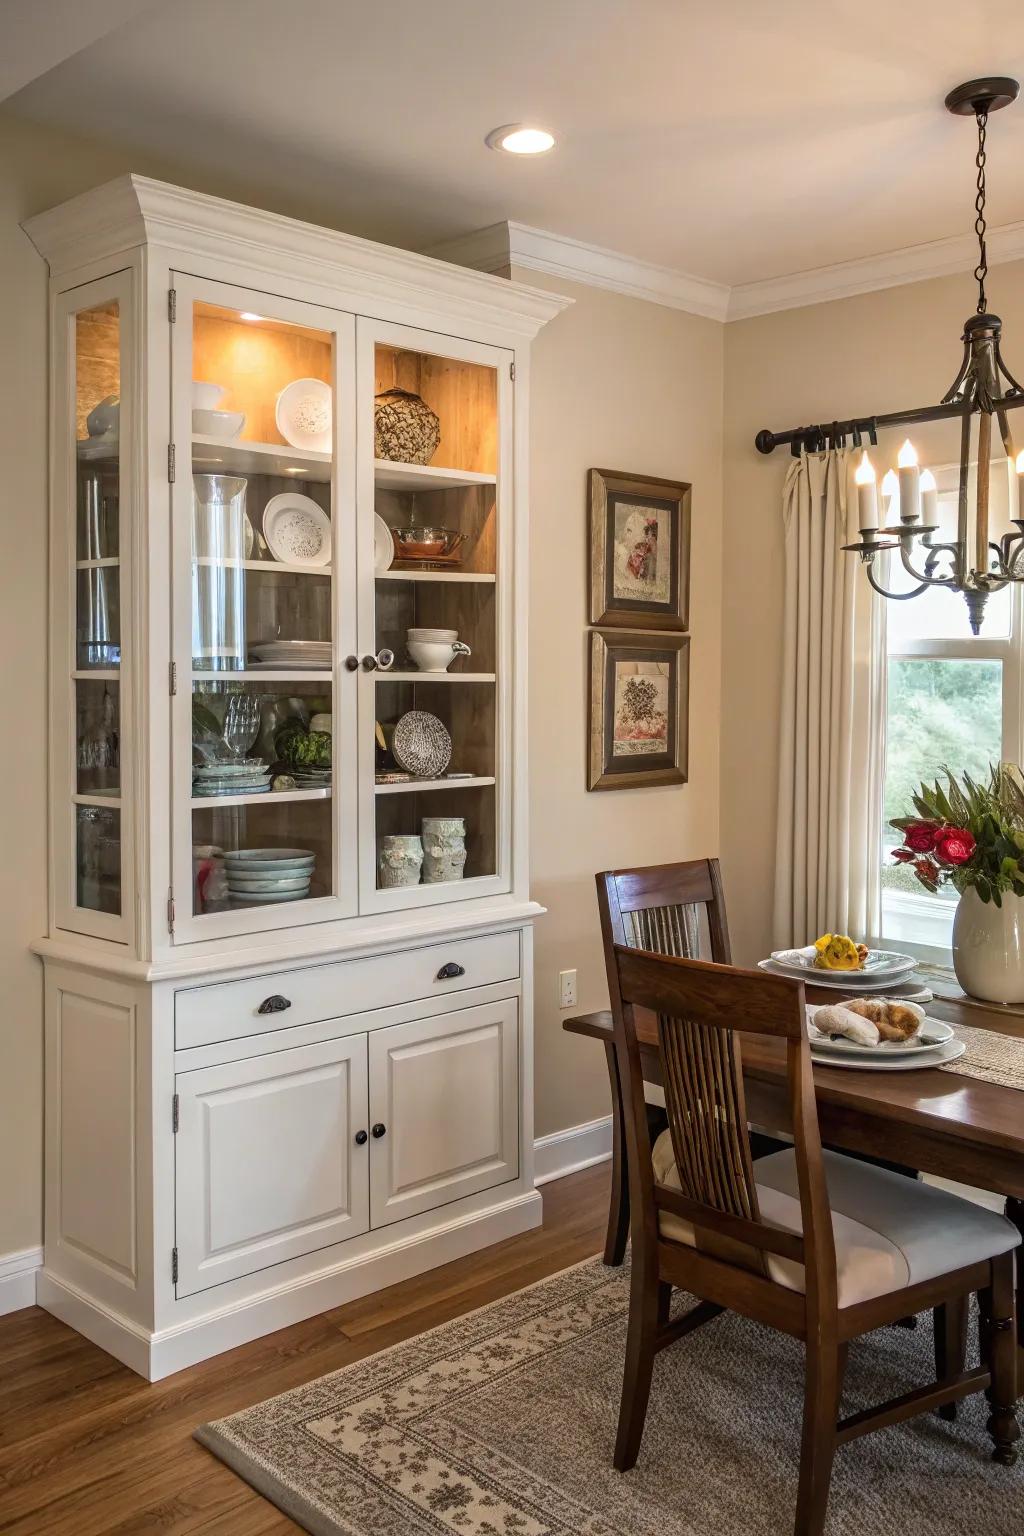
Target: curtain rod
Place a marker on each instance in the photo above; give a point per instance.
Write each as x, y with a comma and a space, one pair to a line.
834, 434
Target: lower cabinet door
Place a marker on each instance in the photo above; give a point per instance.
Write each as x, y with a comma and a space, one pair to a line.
444, 1109
268, 1165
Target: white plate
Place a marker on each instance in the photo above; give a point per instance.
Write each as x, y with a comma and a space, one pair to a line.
931, 1034
303, 415
297, 531
880, 962
936, 1057
853, 982
383, 544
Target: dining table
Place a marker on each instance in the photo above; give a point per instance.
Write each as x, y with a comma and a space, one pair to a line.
930, 1120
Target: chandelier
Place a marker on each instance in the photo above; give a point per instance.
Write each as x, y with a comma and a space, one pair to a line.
983, 388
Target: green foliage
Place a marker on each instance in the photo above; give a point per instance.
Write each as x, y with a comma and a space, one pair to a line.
939, 711
993, 812
300, 748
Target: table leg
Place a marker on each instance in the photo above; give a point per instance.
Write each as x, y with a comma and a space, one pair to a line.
618, 1209
1015, 1213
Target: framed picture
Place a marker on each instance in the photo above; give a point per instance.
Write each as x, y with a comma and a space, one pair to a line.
639, 551
639, 709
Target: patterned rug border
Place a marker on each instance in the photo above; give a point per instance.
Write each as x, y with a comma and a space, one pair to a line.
270, 1484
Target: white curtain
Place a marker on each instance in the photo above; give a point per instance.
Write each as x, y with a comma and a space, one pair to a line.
831, 754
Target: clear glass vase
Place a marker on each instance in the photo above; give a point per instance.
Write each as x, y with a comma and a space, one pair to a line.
219, 528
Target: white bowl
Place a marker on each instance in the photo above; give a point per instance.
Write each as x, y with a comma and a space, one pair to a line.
436, 655
432, 634
206, 397
222, 424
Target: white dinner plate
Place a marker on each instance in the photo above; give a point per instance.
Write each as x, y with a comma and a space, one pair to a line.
383, 544
303, 415
297, 530
879, 962
936, 1057
931, 1033
852, 982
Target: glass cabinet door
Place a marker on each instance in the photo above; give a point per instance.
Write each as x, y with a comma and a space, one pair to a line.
92, 648
264, 597
434, 486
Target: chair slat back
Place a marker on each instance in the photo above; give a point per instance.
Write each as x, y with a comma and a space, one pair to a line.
659, 908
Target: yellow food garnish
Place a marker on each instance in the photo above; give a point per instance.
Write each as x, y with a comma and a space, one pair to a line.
837, 952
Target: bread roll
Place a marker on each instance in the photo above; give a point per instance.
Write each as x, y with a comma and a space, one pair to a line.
894, 1021
837, 1019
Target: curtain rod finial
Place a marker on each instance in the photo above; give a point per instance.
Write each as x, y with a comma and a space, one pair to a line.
764, 442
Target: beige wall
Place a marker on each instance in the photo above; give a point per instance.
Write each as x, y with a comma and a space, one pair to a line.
875, 353
620, 384
616, 382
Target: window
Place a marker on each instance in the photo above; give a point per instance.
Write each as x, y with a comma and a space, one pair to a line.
951, 699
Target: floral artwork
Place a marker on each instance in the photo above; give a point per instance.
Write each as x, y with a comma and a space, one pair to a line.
639, 703
639, 551
640, 725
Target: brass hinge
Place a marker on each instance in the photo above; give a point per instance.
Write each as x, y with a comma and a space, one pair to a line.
173, 678
172, 305
175, 1114
170, 462
174, 1266
512, 372
170, 911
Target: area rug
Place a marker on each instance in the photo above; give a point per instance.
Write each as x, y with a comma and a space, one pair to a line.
501, 1423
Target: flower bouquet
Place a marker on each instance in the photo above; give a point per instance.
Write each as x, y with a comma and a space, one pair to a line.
968, 834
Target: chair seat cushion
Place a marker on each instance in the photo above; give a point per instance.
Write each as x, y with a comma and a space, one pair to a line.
890, 1231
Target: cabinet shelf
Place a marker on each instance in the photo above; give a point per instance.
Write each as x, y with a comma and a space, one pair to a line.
434, 677
264, 565
259, 675
450, 576
98, 797
213, 454
284, 796
97, 674
422, 786
391, 476
109, 562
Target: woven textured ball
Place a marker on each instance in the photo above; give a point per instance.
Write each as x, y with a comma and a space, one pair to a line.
405, 428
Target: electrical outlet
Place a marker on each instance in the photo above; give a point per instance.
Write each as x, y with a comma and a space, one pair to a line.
567, 989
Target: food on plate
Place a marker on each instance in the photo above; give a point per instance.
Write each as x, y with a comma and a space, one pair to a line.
894, 1021
837, 1019
838, 952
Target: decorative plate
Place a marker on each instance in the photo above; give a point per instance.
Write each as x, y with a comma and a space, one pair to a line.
383, 544
297, 531
421, 744
303, 415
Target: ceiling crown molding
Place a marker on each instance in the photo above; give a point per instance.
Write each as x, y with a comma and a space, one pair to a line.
501, 246
507, 244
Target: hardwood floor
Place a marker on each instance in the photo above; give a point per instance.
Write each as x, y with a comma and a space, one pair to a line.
87, 1447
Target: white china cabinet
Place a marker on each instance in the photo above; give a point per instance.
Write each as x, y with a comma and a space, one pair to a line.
288, 965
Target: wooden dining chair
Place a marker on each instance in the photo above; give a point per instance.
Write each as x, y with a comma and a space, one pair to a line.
672, 909
818, 1245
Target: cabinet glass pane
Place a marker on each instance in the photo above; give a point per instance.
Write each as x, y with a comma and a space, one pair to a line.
436, 541
97, 598
262, 596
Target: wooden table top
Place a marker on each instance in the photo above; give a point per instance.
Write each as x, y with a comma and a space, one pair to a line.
982, 1116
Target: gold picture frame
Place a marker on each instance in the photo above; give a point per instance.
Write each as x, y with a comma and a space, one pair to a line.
639, 709
639, 551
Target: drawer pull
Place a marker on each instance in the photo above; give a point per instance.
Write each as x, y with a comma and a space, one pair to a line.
450, 971
379, 1130
360, 1138
274, 1004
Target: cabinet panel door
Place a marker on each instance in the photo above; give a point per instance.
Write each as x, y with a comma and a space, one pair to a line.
267, 1163
446, 1092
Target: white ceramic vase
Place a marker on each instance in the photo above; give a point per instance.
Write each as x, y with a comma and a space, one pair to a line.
988, 947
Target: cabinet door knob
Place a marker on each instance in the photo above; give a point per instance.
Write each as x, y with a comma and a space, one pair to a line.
274, 1004
382, 662
379, 1130
450, 971
352, 663
360, 1138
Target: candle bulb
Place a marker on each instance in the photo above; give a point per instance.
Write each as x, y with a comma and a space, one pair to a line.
890, 496
910, 483
867, 499
929, 499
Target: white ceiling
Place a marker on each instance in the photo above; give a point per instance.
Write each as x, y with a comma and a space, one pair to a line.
737, 141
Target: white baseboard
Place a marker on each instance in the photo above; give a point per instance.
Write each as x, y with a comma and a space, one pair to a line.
578, 1146
18, 1279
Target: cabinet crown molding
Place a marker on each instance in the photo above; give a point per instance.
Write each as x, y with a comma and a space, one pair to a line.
131, 211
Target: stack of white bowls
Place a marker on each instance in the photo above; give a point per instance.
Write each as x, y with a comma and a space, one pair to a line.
434, 650
260, 876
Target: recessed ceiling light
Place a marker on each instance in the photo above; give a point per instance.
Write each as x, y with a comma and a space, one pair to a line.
521, 139
247, 314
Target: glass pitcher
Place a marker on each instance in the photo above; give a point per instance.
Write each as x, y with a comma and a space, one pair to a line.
219, 538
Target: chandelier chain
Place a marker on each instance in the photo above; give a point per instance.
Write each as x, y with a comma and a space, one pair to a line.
981, 270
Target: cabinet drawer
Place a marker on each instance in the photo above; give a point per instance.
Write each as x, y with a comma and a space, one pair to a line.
232, 1009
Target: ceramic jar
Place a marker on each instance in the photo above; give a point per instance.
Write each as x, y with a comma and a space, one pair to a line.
988, 947
399, 860
434, 650
444, 848
404, 427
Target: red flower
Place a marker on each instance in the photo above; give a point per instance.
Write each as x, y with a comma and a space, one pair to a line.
954, 845
920, 836
928, 872
903, 855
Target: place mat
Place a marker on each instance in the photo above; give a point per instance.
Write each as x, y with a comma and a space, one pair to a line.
991, 1057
